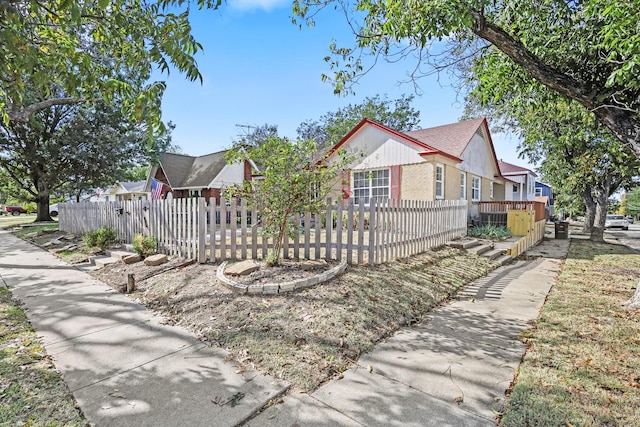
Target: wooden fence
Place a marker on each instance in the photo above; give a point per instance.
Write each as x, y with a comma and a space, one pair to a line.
491, 210
192, 228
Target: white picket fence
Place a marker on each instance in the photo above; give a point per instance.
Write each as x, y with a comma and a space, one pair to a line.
191, 228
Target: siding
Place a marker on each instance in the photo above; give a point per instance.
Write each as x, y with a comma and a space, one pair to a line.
374, 149
416, 182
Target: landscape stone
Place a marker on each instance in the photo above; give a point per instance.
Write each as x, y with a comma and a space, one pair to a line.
157, 259
242, 268
270, 289
254, 289
313, 264
130, 259
66, 248
287, 286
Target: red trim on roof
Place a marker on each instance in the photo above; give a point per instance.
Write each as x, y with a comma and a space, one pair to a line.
428, 149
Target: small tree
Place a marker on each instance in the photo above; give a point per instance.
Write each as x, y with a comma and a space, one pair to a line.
295, 178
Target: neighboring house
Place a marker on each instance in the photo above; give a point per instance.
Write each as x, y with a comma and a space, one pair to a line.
544, 193
205, 176
523, 181
451, 162
125, 191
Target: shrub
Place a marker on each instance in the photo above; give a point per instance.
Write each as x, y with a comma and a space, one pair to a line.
144, 246
489, 232
30, 207
103, 238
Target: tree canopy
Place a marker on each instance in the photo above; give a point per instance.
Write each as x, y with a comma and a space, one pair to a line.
334, 125
98, 50
577, 155
294, 178
588, 51
70, 148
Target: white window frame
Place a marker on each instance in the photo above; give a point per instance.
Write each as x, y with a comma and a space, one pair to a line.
463, 186
475, 191
439, 181
491, 190
538, 192
356, 176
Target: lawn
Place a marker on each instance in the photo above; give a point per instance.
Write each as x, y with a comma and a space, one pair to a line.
9, 221
32, 392
582, 363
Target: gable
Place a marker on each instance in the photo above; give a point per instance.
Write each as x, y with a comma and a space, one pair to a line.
229, 175
478, 157
187, 172
375, 148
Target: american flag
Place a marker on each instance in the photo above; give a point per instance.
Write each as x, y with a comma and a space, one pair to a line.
156, 189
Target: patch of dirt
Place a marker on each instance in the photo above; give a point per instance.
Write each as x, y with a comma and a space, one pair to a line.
309, 336
287, 270
305, 337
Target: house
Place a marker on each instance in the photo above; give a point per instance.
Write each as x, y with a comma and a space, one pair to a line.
124, 191
205, 176
523, 181
544, 193
451, 162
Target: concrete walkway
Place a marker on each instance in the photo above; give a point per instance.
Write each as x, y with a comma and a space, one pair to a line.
452, 370
124, 367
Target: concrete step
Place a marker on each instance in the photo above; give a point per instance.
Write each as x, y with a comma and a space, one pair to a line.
479, 249
463, 243
504, 259
119, 253
493, 253
102, 261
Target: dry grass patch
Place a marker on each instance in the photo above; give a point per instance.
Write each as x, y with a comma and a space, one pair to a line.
310, 336
581, 367
32, 392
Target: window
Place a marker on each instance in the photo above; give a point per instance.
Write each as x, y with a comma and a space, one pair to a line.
538, 192
491, 189
515, 188
439, 182
370, 185
475, 188
463, 185
195, 193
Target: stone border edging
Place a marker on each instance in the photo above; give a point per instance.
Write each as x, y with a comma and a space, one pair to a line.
278, 288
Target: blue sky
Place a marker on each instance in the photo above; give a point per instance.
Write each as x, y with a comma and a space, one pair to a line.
260, 68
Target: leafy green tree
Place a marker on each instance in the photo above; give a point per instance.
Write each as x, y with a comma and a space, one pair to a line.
294, 179
68, 148
99, 50
588, 51
578, 155
334, 125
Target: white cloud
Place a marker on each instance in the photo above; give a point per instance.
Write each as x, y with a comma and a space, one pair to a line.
266, 5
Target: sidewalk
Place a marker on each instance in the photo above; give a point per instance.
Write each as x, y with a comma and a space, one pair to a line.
452, 370
124, 367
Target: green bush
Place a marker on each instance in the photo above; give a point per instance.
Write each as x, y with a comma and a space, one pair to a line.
144, 246
30, 207
103, 238
489, 232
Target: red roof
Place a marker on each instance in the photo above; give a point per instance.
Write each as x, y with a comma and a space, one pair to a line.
448, 140
508, 168
427, 148
452, 138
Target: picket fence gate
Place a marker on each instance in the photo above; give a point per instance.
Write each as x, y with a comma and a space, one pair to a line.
377, 232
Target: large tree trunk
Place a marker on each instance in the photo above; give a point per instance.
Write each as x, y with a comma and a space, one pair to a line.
590, 214
602, 204
42, 201
634, 302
